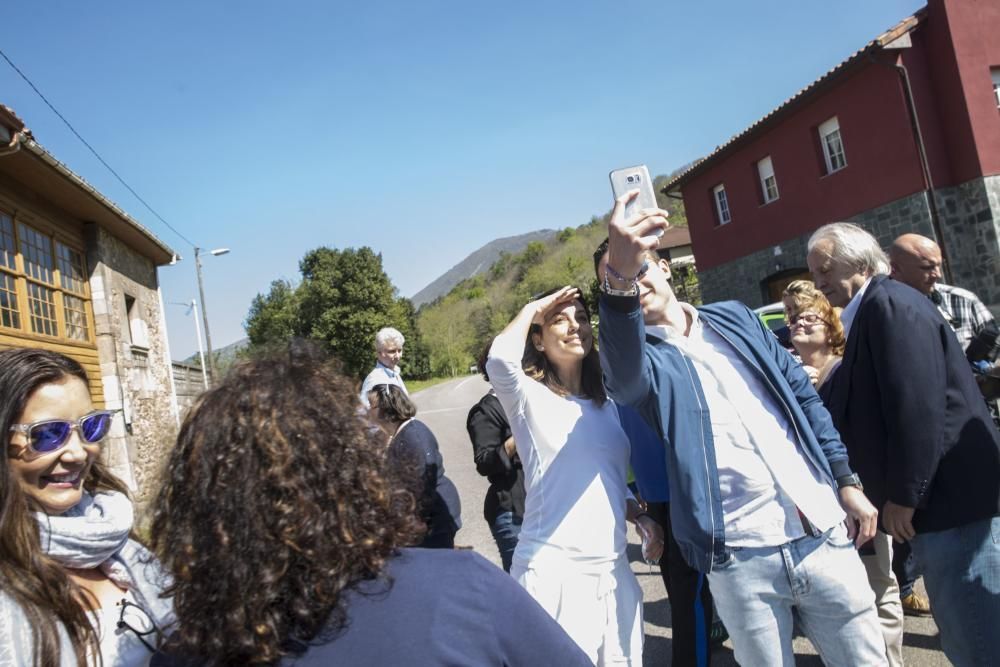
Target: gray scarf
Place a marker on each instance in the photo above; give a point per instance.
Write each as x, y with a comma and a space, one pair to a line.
91, 534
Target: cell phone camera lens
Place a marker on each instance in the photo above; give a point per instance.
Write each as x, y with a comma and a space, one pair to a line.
631, 179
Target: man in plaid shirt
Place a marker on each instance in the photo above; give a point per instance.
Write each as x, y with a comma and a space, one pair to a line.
916, 261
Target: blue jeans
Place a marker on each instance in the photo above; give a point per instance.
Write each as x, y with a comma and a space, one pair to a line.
961, 568
759, 592
505, 528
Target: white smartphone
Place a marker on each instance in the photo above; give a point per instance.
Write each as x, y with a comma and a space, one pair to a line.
630, 178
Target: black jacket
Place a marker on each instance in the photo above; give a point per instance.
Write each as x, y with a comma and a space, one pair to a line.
907, 407
488, 430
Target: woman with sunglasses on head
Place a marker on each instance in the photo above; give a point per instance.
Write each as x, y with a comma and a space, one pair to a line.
413, 447
75, 589
571, 550
815, 330
285, 523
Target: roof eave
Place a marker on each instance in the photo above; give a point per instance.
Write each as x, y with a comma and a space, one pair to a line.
154, 248
831, 78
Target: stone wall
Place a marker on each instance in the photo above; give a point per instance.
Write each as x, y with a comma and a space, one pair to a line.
135, 364
970, 218
970, 221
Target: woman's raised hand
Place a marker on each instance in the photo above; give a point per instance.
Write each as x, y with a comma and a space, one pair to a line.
541, 307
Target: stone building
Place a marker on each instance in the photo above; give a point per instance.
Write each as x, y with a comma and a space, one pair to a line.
78, 275
903, 135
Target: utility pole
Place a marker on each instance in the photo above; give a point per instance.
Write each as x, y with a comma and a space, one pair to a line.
204, 308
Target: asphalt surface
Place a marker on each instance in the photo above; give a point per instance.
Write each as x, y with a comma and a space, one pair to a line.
444, 408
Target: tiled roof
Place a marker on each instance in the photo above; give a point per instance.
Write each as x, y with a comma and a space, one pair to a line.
891, 35
12, 120
674, 237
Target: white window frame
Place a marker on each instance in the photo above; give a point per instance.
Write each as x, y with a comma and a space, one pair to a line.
722, 204
995, 74
768, 183
832, 141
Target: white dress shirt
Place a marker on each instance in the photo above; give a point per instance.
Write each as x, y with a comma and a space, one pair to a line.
764, 478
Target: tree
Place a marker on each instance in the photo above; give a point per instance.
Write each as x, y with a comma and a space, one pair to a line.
273, 317
344, 298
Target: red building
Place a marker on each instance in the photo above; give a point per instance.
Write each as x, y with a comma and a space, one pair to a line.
904, 135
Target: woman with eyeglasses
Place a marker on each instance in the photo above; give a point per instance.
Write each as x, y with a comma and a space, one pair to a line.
285, 525
413, 447
75, 588
815, 330
570, 553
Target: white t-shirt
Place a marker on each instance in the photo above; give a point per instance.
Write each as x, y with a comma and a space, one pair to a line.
575, 457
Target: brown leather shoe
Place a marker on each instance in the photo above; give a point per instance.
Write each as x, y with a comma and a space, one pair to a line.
916, 605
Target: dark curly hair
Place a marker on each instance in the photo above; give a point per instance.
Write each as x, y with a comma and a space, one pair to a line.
275, 501
38, 584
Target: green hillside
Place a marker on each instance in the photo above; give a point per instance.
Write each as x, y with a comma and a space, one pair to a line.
457, 326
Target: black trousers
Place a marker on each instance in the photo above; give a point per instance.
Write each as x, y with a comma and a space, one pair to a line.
690, 599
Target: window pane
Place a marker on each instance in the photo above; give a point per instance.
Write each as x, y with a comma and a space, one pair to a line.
71, 270
723, 204
834, 151
76, 317
770, 189
37, 251
7, 247
9, 316
42, 308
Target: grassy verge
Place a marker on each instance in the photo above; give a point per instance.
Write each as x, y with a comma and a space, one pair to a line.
413, 386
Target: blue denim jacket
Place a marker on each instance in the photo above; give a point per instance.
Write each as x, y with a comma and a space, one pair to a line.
659, 381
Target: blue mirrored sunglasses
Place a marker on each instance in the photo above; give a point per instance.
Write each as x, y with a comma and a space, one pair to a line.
45, 437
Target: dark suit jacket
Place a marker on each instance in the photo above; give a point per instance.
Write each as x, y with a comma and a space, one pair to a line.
908, 409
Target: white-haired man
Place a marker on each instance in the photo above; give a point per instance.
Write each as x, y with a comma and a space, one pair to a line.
919, 434
759, 480
389, 350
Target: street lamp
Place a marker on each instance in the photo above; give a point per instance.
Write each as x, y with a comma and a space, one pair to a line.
192, 307
204, 308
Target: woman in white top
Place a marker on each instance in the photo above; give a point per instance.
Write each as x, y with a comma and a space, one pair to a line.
571, 551
74, 588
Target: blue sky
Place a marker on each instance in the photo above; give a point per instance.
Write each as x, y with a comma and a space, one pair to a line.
422, 129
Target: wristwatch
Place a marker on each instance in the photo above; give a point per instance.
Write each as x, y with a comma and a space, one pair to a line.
850, 480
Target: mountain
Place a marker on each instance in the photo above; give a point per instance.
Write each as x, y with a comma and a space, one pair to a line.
224, 356
478, 262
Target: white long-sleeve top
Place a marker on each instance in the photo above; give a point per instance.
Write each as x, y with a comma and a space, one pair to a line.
575, 457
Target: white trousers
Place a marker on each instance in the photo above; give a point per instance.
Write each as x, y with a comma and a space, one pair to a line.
602, 613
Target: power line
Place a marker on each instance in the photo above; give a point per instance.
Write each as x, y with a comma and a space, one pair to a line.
94, 151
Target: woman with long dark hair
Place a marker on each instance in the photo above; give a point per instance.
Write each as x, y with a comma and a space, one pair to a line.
571, 550
413, 447
283, 522
74, 587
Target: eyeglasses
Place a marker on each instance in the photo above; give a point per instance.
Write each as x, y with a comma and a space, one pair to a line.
50, 435
135, 619
810, 319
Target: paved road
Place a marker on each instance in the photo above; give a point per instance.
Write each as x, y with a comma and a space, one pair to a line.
444, 407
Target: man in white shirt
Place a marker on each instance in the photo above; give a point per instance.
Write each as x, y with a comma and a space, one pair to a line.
389, 349
760, 482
